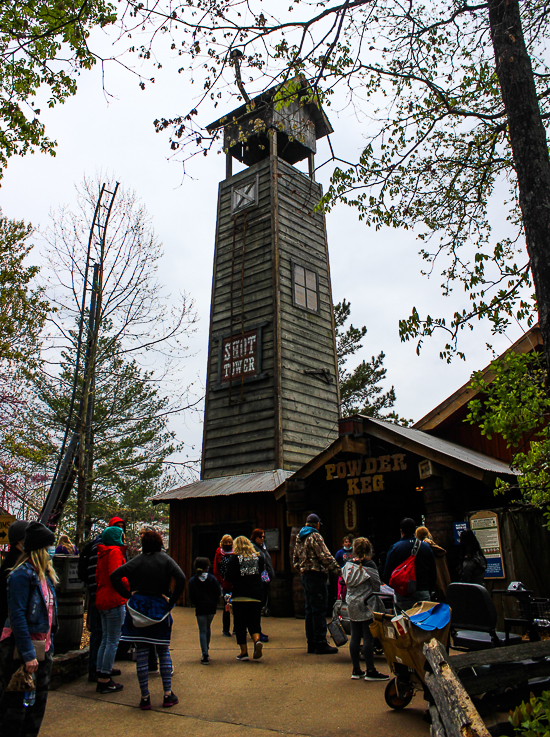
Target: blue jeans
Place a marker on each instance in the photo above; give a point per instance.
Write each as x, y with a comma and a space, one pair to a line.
316, 600
111, 624
204, 621
96, 633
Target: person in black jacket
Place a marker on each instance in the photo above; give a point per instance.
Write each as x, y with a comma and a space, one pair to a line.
16, 534
244, 572
204, 593
424, 564
149, 578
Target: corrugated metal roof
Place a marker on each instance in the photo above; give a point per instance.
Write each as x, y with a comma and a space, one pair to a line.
245, 483
434, 448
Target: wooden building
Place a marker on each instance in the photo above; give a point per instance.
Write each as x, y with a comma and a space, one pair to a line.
272, 390
272, 376
273, 449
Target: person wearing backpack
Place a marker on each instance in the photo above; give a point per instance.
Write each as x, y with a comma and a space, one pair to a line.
419, 578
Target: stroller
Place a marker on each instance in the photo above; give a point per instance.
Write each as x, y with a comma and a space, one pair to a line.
402, 638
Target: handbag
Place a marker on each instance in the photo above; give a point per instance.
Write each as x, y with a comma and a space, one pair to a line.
337, 633
147, 610
340, 611
39, 649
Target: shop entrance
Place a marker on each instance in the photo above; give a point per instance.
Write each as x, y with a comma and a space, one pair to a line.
206, 538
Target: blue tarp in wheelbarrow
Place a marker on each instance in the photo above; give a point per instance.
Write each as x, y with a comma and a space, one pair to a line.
434, 619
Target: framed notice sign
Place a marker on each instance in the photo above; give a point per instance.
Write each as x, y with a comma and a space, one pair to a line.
240, 357
486, 529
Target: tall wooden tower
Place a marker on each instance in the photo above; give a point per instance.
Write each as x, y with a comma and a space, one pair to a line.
272, 379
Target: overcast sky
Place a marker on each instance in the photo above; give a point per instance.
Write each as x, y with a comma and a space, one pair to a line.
378, 272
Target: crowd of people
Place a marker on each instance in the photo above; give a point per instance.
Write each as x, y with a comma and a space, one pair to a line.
129, 601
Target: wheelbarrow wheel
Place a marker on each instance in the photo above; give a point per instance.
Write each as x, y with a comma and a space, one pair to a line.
392, 697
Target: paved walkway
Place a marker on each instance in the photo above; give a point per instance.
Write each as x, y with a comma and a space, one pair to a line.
286, 692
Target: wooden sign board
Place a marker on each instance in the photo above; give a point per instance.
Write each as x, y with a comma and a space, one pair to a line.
486, 529
5, 521
364, 475
350, 514
240, 357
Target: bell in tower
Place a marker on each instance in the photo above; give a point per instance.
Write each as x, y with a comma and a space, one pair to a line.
272, 378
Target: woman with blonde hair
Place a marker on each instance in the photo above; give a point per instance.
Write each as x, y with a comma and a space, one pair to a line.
219, 569
244, 572
65, 546
31, 611
443, 578
363, 585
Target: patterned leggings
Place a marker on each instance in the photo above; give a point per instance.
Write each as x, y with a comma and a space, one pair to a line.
165, 667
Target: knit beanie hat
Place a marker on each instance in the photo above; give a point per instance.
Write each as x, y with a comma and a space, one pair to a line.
115, 521
37, 536
112, 536
16, 531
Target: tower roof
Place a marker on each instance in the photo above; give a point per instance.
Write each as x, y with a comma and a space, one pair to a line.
299, 124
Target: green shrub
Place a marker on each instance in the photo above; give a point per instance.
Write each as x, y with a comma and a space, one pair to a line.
532, 719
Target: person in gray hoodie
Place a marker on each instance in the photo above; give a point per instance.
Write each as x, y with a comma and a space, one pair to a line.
363, 586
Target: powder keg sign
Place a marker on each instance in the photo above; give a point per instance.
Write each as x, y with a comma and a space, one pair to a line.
364, 475
240, 357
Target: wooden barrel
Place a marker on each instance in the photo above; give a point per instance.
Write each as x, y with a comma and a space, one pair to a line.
280, 596
298, 597
70, 617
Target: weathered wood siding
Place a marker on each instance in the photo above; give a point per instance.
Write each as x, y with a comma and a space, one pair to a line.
284, 419
239, 437
309, 404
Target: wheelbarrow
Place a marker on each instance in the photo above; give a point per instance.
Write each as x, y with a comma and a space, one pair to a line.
402, 638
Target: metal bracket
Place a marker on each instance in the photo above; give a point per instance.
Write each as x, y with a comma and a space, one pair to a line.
323, 374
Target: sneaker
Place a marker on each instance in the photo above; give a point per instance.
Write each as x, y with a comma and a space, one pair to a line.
116, 672
310, 647
243, 657
171, 700
258, 650
264, 638
145, 703
374, 675
109, 687
205, 660
226, 634
357, 674
323, 648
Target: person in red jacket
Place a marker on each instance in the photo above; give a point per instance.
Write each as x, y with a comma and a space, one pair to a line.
110, 604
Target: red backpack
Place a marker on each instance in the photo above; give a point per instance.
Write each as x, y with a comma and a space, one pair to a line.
403, 578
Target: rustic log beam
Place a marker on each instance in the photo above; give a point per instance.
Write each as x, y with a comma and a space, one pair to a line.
458, 714
523, 651
437, 729
512, 675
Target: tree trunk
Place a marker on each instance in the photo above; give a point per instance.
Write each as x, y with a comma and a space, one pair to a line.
529, 147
